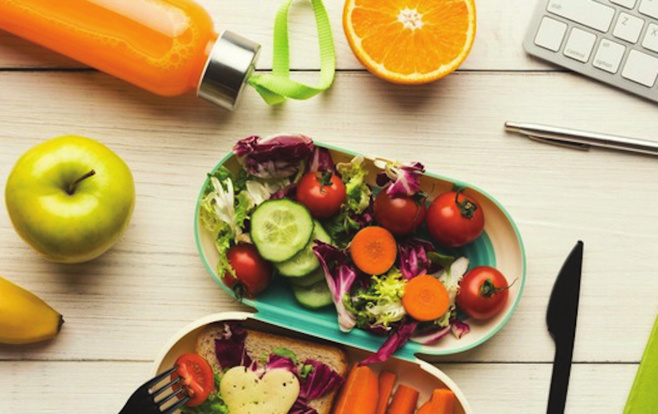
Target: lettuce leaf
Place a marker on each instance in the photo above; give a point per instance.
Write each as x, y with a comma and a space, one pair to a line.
379, 305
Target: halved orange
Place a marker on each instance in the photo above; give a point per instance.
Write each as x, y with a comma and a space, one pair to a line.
410, 41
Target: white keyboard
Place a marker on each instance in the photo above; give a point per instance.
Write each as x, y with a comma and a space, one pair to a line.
614, 41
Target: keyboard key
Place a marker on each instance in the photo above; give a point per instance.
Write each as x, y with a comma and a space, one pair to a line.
580, 44
608, 56
629, 4
550, 34
586, 12
628, 28
651, 38
650, 8
641, 68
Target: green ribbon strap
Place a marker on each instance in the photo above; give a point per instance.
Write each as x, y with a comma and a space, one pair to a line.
276, 87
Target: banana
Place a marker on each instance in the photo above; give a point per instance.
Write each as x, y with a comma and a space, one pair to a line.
25, 318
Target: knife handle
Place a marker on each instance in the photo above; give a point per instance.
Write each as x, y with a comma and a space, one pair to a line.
560, 379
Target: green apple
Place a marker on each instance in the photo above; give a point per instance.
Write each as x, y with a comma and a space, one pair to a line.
70, 198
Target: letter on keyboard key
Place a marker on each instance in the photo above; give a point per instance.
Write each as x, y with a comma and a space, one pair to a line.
649, 8
550, 34
628, 28
651, 38
580, 44
586, 12
609, 56
641, 68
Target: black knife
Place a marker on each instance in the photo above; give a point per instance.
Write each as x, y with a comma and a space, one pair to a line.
561, 319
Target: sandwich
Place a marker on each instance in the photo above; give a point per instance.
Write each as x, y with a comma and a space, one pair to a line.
263, 373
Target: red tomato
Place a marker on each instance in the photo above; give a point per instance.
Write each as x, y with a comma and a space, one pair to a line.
252, 272
322, 193
401, 215
454, 219
198, 378
483, 292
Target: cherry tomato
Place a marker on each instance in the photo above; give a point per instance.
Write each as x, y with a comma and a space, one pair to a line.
454, 219
322, 193
483, 292
400, 215
198, 378
252, 272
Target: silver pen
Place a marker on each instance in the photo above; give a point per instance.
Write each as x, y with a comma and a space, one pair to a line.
581, 140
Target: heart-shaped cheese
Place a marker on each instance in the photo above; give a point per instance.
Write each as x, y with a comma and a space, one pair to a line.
244, 393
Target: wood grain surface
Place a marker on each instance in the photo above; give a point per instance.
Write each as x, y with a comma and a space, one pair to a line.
122, 308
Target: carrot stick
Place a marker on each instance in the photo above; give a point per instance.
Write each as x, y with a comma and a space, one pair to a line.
443, 401
386, 383
425, 298
404, 400
426, 408
359, 394
373, 250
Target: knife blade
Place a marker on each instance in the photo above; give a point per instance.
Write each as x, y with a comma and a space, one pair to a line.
561, 318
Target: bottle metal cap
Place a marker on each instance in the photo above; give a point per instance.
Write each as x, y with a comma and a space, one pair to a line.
231, 62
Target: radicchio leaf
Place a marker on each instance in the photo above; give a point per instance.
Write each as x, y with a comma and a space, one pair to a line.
459, 328
414, 260
230, 347
301, 407
321, 161
320, 381
278, 361
395, 341
431, 336
401, 180
280, 156
340, 276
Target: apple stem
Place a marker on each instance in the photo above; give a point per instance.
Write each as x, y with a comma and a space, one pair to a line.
72, 187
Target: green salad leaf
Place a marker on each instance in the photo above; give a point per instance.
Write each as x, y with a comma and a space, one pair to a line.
357, 191
380, 304
213, 405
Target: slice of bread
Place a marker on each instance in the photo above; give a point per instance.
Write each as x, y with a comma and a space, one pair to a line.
260, 344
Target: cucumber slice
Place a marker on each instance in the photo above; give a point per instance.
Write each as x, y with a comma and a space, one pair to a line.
280, 229
305, 261
314, 297
307, 280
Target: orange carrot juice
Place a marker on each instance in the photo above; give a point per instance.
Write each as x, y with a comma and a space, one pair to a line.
163, 46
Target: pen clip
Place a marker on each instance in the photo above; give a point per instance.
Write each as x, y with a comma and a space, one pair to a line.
558, 143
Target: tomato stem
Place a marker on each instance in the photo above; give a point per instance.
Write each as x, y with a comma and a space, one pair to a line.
466, 207
324, 178
240, 290
488, 289
70, 190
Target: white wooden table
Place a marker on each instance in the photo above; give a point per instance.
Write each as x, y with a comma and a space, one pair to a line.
121, 308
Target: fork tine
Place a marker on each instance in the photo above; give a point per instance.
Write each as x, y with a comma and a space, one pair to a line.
160, 377
169, 397
166, 387
176, 406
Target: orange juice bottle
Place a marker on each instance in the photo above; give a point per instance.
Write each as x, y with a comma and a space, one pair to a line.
168, 47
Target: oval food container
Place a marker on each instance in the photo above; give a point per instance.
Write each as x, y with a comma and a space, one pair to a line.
500, 246
417, 374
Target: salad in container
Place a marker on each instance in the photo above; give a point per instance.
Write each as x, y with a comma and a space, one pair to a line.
372, 253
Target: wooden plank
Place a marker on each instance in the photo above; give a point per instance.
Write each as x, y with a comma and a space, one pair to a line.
501, 28
103, 387
125, 305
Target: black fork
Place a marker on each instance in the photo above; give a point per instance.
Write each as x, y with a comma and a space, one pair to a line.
145, 400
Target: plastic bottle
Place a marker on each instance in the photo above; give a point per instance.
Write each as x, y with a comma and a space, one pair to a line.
168, 47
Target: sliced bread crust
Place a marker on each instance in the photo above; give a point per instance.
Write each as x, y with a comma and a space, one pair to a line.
260, 344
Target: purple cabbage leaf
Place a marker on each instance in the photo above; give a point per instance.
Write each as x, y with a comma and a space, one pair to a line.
400, 180
230, 347
279, 156
321, 161
415, 259
395, 341
320, 381
340, 276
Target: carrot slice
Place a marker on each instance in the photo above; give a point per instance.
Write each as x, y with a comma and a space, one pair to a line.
386, 383
404, 400
425, 298
359, 394
443, 401
374, 250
